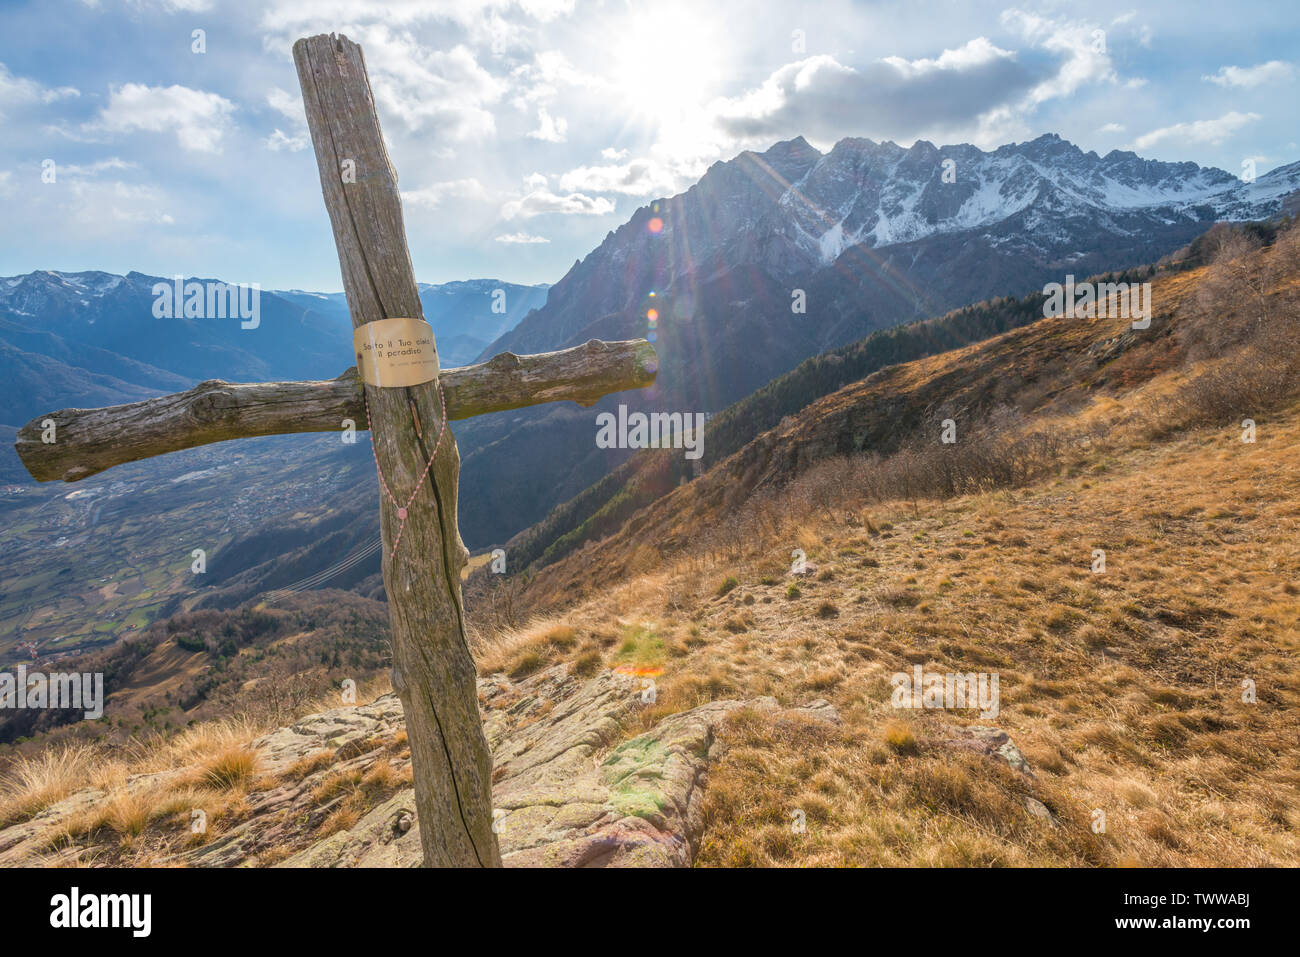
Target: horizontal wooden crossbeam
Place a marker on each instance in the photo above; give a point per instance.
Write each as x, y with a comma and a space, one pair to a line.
87, 441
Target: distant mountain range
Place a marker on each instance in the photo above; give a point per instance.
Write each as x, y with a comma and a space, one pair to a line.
867, 235
876, 213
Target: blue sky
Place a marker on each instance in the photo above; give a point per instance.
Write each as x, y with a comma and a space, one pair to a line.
523, 131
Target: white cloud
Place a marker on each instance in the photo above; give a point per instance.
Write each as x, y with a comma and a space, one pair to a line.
550, 129
433, 195
526, 239
95, 168
199, 119
290, 107
613, 155
975, 53
1112, 128
540, 201
1248, 77
440, 91
640, 177
1081, 46
280, 140
1199, 131
20, 91
548, 73
823, 99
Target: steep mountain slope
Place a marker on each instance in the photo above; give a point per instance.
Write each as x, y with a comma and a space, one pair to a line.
1050, 369
648, 475
865, 236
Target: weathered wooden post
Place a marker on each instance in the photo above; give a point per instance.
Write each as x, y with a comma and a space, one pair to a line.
433, 672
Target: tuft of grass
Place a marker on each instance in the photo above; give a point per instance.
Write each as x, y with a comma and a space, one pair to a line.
229, 769
526, 663
32, 784
642, 647
899, 738
340, 782
562, 637
309, 764
727, 585
587, 664
898, 597
823, 679
522, 651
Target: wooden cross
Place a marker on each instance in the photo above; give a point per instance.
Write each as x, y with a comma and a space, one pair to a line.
433, 672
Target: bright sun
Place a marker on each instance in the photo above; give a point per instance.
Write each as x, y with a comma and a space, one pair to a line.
667, 61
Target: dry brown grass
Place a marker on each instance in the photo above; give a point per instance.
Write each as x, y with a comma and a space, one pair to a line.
33, 784
521, 651
348, 794
1123, 689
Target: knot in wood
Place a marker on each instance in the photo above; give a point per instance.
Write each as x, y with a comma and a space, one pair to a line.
214, 406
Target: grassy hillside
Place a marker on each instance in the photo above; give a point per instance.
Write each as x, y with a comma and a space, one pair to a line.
649, 475
263, 661
1023, 402
1155, 701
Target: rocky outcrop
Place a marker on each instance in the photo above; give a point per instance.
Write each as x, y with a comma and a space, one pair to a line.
992, 743
576, 783
567, 794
